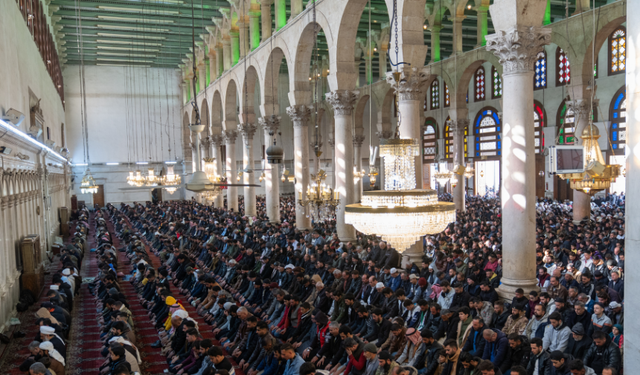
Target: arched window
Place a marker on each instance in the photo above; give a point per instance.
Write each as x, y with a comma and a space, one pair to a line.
617, 51
486, 130
566, 125
496, 87
434, 94
563, 68
479, 80
540, 78
429, 137
447, 96
448, 141
539, 122
618, 128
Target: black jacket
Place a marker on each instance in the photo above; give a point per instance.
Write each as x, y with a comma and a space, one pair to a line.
475, 339
428, 359
577, 349
544, 364
599, 357
518, 356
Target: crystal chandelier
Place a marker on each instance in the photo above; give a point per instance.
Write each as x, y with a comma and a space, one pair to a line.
88, 184
131, 179
443, 177
469, 172
210, 171
357, 175
170, 179
136, 180
373, 173
597, 176
400, 214
151, 179
321, 200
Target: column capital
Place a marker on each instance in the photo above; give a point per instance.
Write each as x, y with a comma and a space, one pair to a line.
581, 107
384, 134
217, 140
265, 3
342, 101
270, 123
230, 136
248, 130
205, 142
357, 140
518, 48
458, 126
410, 84
300, 114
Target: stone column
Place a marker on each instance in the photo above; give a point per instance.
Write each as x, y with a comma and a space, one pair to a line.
270, 124
235, 46
202, 76
435, 43
382, 62
457, 33
517, 47
410, 106
265, 18
458, 127
243, 33
300, 115
632, 237
254, 28
296, 8
213, 66
216, 142
248, 130
357, 153
482, 25
343, 102
226, 53
332, 142
281, 13
581, 110
232, 172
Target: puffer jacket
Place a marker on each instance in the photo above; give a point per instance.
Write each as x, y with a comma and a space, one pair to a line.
607, 355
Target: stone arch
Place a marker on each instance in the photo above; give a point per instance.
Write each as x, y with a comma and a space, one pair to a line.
602, 35
216, 113
205, 118
299, 84
230, 106
248, 90
186, 137
358, 127
411, 17
269, 94
384, 114
343, 73
459, 95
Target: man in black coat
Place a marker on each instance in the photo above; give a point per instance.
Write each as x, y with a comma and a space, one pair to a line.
380, 328
539, 355
475, 342
427, 355
518, 354
602, 353
578, 342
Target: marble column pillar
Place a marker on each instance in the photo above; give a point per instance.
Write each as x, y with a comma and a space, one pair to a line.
517, 48
382, 62
343, 102
216, 142
232, 169
235, 46
270, 125
357, 153
296, 8
458, 127
243, 32
248, 130
582, 110
457, 33
213, 66
281, 13
632, 202
220, 59
435, 43
332, 142
482, 26
410, 105
265, 18
300, 115
254, 29
226, 52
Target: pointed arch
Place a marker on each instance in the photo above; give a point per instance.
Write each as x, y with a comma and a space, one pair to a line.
487, 134
618, 118
563, 68
618, 51
540, 71
479, 84
429, 140
539, 122
566, 124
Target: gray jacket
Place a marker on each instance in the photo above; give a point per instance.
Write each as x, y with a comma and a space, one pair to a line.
556, 338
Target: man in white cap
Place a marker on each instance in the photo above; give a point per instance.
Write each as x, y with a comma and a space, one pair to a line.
394, 281
57, 361
49, 334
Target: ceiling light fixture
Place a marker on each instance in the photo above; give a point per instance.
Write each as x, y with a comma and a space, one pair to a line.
138, 10
113, 163
129, 42
107, 53
130, 36
128, 60
142, 49
134, 28
136, 20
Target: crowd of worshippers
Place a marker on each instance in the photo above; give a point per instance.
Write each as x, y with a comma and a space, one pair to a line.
284, 301
48, 350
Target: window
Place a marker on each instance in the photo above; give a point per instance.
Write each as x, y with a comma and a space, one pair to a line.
479, 81
448, 141
48, 133
540, 76
496, 91
563, 68
486, 130
447, 96
434, 94
617, 51
566, 125
539, 122
618, 128
429, 139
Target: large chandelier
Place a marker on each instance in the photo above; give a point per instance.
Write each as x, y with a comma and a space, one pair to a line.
171, 180
151, 179
88, 184
443, 177
597, 176
400, 214
469, 172
210, 172
321, 200
136, 179
373, 173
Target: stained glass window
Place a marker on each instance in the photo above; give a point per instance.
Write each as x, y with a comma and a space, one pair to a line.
448, 141
563, 68
487, 133
434, 93
540, 76
479, 84
429, 145
618, 128
617, 51
538, 125
567, 123
447, 97
496, 91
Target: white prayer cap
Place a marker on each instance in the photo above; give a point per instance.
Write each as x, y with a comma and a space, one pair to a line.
46, 345
66, 272
393, 270
291, 266
180, 314
379, 285
227, 305
54, 287
47, 330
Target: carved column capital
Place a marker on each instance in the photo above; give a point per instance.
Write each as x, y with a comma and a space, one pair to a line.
518, 48
458, 126
384, 134
581, 107
357, 140
300, 114
410, 84
217, 140
248, 130
342, 101
230, 136
270, 123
